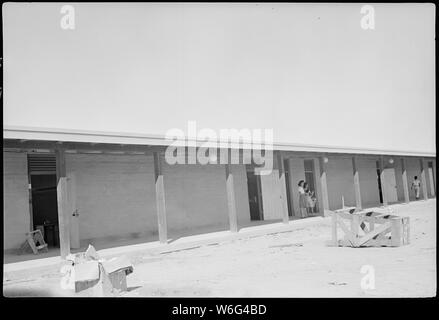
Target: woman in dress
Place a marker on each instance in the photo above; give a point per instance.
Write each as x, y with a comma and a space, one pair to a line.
302, 199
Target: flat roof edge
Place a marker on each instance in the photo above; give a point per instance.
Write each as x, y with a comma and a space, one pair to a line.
155, 140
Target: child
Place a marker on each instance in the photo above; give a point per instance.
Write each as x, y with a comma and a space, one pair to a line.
416, 185
309, 198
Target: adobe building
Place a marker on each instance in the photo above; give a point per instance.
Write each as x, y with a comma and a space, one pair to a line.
102, 192
86, 109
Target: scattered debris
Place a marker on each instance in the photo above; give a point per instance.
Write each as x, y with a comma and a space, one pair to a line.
336, 283
99, 276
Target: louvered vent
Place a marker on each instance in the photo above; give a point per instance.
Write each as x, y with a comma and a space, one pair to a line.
41, 163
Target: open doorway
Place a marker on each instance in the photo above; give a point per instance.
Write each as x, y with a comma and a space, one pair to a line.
43, 196
390, 188
288, 187
379, 181
310, 178
254, 194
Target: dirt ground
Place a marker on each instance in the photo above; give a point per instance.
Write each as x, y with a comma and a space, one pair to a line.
291, 264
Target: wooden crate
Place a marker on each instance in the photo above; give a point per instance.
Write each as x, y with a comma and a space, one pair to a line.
369, 228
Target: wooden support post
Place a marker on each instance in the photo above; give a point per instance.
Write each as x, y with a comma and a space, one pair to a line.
231, 203
356, 183
405, 184
292, 190
383, 181
423, 179
73, 211
434, 177
283, 188
324, 187
63, 204
160, 198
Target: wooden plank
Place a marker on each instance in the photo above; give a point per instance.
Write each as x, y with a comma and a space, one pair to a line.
63, 203
63, 219
423, 179
405, 184
282, 181
355, 225
319, 207
31, 220
160, 198
348, 234
344, 215
386, 242
60, 163
357, 189
73, 211
381, 229
231, 202
324, 186
32, 245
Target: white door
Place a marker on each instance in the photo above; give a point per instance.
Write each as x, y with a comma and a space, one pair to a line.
271, 195
390, 185
73, 211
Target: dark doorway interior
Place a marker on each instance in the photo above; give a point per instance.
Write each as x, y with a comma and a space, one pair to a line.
288, 187
44, 207
379, 181
254, 194
43, 196
310, 179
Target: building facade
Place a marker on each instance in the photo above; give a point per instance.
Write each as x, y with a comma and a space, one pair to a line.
107, 193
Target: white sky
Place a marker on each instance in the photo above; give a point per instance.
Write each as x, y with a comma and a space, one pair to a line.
310, 72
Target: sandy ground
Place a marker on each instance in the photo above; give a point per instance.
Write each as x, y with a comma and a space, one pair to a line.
291, 264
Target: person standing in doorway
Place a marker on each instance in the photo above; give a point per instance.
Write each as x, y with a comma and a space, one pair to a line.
309, 198
302, 199
416, 186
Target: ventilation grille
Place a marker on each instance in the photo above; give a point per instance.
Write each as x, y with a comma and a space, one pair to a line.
41, 163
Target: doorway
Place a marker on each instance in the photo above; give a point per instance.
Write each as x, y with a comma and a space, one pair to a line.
390, 185
254, 194
43, 196
379, 181
310, 178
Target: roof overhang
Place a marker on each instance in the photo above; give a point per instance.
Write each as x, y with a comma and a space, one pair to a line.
63, 135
